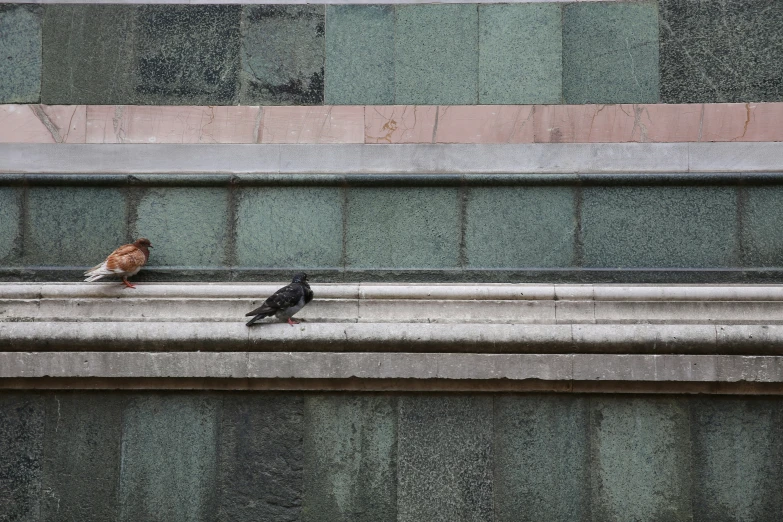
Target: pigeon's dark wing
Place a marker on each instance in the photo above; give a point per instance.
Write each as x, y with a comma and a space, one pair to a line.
283, 299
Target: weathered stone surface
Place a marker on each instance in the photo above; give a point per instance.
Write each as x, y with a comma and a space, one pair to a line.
147, 54
20, 53
21, 445
350, 451
169, 445
10, 224
444, 458
282, 55
721, 51
762, 226
541, 458
359, 54
260, 458
610, 52
640, 459
737, 449
82, 456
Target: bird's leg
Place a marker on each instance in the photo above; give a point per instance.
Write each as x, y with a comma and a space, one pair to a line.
127, 283
292, 322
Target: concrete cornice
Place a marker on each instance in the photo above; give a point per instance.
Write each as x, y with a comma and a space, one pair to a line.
339, 160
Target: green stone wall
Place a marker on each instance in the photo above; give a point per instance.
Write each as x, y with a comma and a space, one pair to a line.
236, 456
669, 51
656, 228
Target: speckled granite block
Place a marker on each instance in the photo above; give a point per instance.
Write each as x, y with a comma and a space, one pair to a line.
659, 227
359, 54
260, 458
762, 227
640, 459
187, 226
20, 53
436, 54
282, 55
10, 224
444, 458
21, 445
737, 450
610, 52
520, 53
143, 55
351, 450
721, 51
537, 227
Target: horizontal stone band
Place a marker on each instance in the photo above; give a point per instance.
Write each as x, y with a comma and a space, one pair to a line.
567, 367
392, 159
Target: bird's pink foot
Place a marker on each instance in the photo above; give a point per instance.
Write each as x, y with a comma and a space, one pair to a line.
127, 283
292, 322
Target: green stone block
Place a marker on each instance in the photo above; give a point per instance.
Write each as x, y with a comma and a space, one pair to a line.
762, 227
10, 224
21, 445
350, 451
282, 55
359, 55
146, 54
737, 450
260, 458
402, 228
513, 227
188, 227
610, 52
290, 227
721, 51
520, 53
444, 458
168, 471
541, 459
437, 54
20, 53
82, 456
640, 459
659, 227
73, 226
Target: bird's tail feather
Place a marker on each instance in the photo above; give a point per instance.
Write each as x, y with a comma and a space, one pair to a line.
97, 272
256, 318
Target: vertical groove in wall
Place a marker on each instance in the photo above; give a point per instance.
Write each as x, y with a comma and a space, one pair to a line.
344, 215
741, 256
462, 211
578, 242
231, 233
23, 232
134, 195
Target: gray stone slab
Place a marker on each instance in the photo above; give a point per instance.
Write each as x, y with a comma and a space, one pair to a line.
270, 233
737, 448
282, 55
260, 458
351, 450
10, 225
82, 456
73, 225
520, 227
640, 459
737, 157
168, 453
20, 58
762, 226
444, 458
436, 55
187, 226
610, 52
721, 51
659, 227
402, 228
520, 54
359, 55
541, 458
21, 446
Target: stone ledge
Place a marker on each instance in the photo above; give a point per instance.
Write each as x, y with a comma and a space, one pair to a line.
18, 158
426, 366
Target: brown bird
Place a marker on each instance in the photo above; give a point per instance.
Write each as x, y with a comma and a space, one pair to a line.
125, 261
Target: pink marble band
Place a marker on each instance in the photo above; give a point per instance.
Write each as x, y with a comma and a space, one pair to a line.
711, 122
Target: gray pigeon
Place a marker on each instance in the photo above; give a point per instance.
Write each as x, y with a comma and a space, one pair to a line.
285, 302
